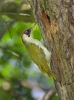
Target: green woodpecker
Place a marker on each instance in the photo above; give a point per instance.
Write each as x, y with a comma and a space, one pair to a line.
38, 53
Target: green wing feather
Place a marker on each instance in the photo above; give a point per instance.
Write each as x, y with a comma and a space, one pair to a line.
37, 55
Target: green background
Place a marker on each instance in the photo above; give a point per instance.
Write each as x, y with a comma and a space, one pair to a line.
20, 78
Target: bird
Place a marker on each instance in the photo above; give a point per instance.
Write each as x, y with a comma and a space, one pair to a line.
38, 53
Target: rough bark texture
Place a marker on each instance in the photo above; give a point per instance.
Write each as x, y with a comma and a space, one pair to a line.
56, 21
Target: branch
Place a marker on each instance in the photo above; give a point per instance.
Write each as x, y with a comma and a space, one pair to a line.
48, 94
10, 51
4, 26
21, 11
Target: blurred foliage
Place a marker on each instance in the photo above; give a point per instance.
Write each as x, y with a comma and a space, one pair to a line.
20, 78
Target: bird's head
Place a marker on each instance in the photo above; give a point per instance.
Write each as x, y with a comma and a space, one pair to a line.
28, 31
26, 35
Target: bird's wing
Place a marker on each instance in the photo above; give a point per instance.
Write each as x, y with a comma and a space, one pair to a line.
38, 56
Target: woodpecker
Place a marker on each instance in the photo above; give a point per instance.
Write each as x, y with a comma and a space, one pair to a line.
38, 53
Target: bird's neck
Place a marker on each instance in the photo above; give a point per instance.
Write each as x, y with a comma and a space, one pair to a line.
25, 38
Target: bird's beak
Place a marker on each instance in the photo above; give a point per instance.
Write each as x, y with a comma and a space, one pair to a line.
33, 26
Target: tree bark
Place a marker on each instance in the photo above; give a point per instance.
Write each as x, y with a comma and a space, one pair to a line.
56, 21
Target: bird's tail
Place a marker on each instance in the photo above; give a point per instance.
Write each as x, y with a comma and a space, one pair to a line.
54, 76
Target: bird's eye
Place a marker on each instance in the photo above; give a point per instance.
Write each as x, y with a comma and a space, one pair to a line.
26, 32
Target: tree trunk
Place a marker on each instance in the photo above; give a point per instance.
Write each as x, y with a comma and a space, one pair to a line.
56, 21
